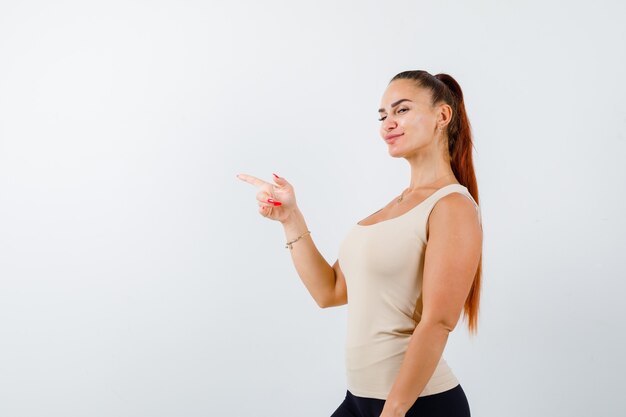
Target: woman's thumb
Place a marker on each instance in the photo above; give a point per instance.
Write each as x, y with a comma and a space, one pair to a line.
279, 180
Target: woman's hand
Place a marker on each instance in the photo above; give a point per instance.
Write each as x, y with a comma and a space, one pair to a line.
389, 410
388, 413
276, 201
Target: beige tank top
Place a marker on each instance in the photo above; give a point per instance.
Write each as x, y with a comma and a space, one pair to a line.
383, 265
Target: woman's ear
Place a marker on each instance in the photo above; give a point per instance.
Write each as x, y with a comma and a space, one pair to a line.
445, 114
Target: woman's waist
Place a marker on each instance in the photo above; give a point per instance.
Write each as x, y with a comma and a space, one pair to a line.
371, 336
366, 351
371, 374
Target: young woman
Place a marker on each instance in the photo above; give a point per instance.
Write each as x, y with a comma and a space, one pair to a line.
410, 269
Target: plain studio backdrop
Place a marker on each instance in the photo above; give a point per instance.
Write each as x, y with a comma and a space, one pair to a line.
137, 277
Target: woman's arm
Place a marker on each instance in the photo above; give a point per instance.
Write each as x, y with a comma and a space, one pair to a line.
451, 259
326, 284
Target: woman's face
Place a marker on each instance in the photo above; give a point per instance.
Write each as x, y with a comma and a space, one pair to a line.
409, 122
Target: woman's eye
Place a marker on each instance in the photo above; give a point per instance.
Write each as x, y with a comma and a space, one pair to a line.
401, 110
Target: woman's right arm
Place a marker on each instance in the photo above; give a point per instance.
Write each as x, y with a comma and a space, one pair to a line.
326, 284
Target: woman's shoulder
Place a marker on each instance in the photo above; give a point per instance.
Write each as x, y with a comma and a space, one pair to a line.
453, 191
458, 203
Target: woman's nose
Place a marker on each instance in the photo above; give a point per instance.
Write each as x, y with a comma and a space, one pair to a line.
389, 123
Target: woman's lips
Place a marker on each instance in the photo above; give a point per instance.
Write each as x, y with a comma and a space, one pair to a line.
392, 138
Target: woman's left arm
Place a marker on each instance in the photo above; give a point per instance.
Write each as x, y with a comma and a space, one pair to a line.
452, 255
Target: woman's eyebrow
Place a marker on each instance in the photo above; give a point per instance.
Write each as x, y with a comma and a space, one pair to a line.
395, 104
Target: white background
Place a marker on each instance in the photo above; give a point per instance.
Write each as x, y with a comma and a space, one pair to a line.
137, 277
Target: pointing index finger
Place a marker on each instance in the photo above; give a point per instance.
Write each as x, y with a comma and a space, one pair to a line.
251, 180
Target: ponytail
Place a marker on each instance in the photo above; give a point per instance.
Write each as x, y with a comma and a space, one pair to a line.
445, 89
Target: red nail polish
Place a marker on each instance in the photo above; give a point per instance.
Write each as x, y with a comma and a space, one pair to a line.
275, 175
274, 202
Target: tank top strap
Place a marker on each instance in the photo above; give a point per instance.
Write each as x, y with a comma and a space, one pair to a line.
438, 195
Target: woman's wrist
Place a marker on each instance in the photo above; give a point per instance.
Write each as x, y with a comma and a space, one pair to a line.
294, 225
294, 219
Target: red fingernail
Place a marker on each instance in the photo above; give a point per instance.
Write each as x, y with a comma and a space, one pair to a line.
275, 175
274, 202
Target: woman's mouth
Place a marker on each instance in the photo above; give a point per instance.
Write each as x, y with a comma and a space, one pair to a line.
392, 138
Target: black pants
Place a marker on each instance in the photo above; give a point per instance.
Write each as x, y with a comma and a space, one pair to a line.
451, 403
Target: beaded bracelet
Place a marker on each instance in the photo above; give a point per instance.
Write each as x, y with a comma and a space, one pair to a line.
289, 244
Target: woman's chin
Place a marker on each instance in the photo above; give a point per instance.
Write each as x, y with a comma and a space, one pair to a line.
394, 151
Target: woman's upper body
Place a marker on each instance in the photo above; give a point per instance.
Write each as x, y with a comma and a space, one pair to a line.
420, 124
383, 263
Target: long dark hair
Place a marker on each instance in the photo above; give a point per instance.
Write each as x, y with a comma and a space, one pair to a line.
445, 89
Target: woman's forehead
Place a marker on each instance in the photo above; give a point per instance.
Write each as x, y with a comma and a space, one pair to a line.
404, 89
